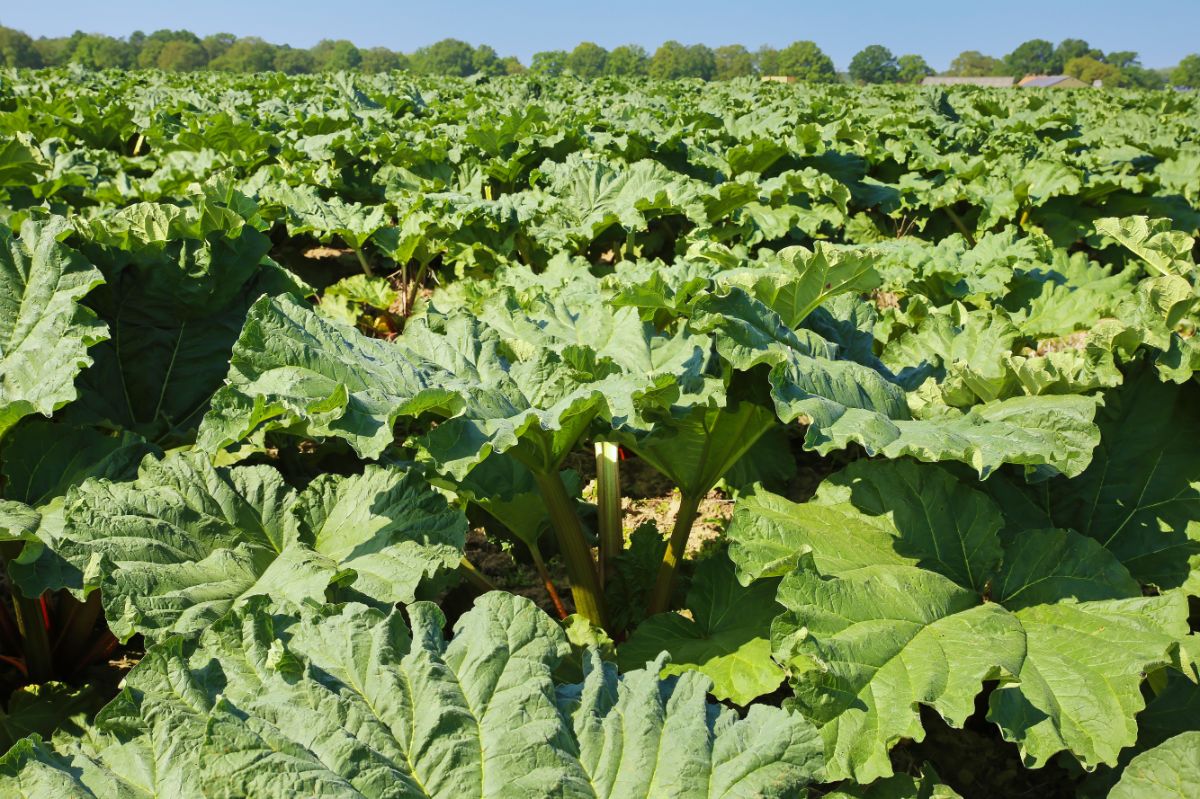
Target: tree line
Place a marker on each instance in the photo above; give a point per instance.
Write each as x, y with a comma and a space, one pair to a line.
183, 51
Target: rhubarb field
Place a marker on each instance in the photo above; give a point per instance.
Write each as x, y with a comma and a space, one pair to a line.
371, 436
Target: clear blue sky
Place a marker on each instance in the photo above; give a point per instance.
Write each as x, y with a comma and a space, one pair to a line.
1163, 31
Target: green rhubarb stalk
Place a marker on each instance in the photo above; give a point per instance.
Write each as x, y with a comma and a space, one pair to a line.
660, 599
476, 578
573, 545
362, 260
958, 223
608, 502
411, 288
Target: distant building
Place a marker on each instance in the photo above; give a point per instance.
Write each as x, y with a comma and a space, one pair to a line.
779, 78
996, 83
1051, 82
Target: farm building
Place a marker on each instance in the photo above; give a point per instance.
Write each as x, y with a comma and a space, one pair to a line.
779, 78
997, 83
1051, 82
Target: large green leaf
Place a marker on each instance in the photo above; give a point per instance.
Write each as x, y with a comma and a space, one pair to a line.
845, 402
389, 527
696, 447
1169, 771
18, 521
505, 488
770, 535
867, 649
674, 367
1030, 431
1163, 250
31, 770
1079, 636
42, 462
44, 331
977, 340
1075, 295
945, 524
974, 358
1080, 685
1163, 306
677, 416
294, 369
1047, 566
535, 405
725, 635
590, 196
1141, 497
307, 212
344, 702
804, 279
874, 512
178, 547
179, 281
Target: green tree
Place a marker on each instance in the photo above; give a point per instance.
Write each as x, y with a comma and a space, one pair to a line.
912, 69
550, 63
49, 52
292, 61
669, 61
1121, 59
974, 64
17, 50
874, 64
1187, 73
1034, 57
672, 61
332, 55
1137, 75
182, 56
587, 60
486, 61
96, 51
806, 61
1075, 48
446, 57
701, 62
512, 65
733, 61
381, 59
250, 54
766, 60
151, 47
627, 60
1089, 70
218, 44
